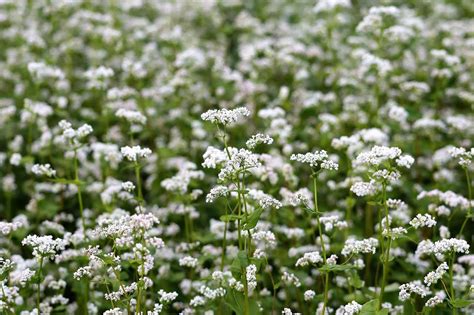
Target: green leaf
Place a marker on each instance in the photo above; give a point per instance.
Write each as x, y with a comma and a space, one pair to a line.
47, 209
252, 220
235, 300
253, 307
239, 263
460, 303
354, 279
371, 308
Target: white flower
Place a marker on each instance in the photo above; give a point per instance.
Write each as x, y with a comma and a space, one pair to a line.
328, 5
463, 156
349, 309
434, 276
180, 182
84, 130
135, 152
188, 261
394, 233
362, 189
123, 290
128, 186
365, 246
44, 246
167, 297
216, 192
43, 170
373, 21
415, 287
15, 159
290, 278
332, 260
258, 139
131, 116
114, 311
442, 247
213, 157
309, 258
267, 202
432, 302
69, 133
42, 71
309, 295
422, 220
405, 161
74, 135
331, 221
315, 159
450, 198
251, 271
225, 116
241, 161
451, 245
377, 155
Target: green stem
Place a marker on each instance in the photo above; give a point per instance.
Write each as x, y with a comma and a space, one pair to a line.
8, 199
187, 227
469, 190
244, 201
79, 192
139, 184
83, 221
323, 247
386, 256
224, 243
40, 272
241, 201
451, 285
117, 275
246, 292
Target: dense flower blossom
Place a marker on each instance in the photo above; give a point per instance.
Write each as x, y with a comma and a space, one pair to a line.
174, 157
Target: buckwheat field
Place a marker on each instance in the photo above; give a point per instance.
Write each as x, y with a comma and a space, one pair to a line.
220, 157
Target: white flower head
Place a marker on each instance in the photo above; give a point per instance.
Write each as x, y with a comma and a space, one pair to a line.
133, 153
225, 116
318, 159
43, 170
423, 220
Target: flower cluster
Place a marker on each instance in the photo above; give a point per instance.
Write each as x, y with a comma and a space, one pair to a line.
225, 116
